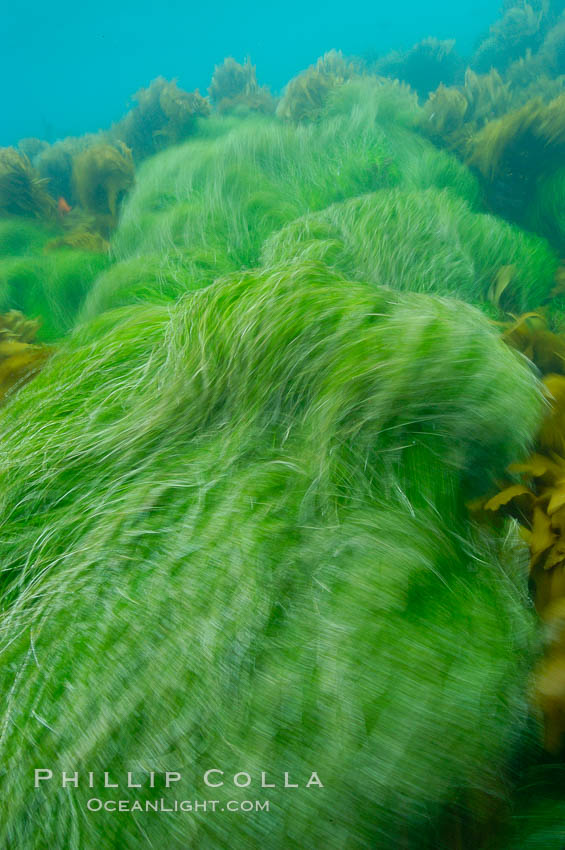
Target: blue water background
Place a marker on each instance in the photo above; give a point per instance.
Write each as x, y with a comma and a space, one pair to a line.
71, 67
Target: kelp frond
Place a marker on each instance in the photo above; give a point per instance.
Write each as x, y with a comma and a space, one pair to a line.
20, 358
22, 191
164, 115
306, 95
234, 87
536, 498
80, 239
427, 65
101, 177
524, 141
452, 115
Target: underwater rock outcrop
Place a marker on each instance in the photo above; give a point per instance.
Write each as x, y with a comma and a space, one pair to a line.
250, 548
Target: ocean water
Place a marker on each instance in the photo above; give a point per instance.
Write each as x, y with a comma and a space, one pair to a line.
282, 427
74, 67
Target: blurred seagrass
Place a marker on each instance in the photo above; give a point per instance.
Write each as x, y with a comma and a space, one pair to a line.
547, 212
238, 536
233, 503
426, 240
209, 204
143, 279
43, 278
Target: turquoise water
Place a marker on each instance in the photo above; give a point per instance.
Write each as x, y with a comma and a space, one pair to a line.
72, 67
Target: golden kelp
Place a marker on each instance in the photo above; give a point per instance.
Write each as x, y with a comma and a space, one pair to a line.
235, 87
306, 95
101, 175
452, 115
514, 151
428, 64
80, 238
531, 335
509, 37
538, 502
164, 115
524, 142
22, 191
55, 163
20, 358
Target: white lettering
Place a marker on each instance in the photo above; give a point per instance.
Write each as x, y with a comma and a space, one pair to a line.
131, 783
288, 784
314, 780
65, 779
213, 784
48, 774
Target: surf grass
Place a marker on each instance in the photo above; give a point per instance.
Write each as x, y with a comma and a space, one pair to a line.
50, 287
235, 536
538, 810
139, 280
18, 236
206, 207
547, 212
428, 241
393, 107
212, 201
227, 194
